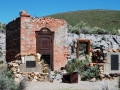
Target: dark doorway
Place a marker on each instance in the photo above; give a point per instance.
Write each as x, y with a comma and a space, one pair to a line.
44, 45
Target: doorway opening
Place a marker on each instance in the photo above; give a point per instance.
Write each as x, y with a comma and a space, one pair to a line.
44, 45
81, 42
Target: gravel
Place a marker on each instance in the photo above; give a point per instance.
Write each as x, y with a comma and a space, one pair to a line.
81, 85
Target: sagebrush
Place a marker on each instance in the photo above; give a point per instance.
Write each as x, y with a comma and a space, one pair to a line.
7, 81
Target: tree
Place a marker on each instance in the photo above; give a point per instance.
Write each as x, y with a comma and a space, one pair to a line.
2, 25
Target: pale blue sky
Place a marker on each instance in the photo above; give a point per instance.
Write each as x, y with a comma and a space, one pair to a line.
9, 9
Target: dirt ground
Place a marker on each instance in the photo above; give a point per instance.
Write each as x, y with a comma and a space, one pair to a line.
81, 85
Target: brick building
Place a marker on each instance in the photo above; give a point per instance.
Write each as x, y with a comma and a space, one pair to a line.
45, 35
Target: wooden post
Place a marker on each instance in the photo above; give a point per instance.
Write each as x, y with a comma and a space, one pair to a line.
77, 49
88, 48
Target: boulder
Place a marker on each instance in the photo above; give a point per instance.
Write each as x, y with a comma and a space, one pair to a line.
93, 80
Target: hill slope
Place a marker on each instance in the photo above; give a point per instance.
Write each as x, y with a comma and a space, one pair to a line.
106, 19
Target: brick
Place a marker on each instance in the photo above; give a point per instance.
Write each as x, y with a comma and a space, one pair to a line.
25, 26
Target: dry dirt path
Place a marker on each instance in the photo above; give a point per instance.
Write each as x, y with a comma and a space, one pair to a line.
81, 85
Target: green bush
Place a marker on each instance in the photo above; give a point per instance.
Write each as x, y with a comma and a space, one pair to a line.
76, 65
73, 29
7, 81
119, 82
114, 32
2, 25
97, 30
91, 72
1, 53
85, 29
80, 27
7, 73
76, 31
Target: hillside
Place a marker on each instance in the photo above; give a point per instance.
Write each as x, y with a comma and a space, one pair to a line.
106, 19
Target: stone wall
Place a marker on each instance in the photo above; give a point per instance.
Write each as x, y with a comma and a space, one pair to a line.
3, 45
12, 39
60, 44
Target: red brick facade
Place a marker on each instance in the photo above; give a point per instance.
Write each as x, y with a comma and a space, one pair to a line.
27, 42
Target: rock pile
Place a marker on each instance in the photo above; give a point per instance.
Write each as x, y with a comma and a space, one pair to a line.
114, 50
98, 56
103, 75
30, 76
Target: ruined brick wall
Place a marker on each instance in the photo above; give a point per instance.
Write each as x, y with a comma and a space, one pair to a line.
28, 39
21, 37
12, 39
60, 44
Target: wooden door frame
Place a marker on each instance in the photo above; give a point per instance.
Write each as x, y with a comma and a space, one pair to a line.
83, 41
46, 31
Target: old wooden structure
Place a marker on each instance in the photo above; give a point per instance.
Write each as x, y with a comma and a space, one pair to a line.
83, 41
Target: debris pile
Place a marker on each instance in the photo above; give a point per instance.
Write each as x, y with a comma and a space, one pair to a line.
114, 50
103, 75
30, 76
98, 56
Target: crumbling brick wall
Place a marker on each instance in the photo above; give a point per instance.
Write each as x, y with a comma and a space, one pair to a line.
12, 39
28, 26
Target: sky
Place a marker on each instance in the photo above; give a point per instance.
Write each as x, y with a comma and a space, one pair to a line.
9, 9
